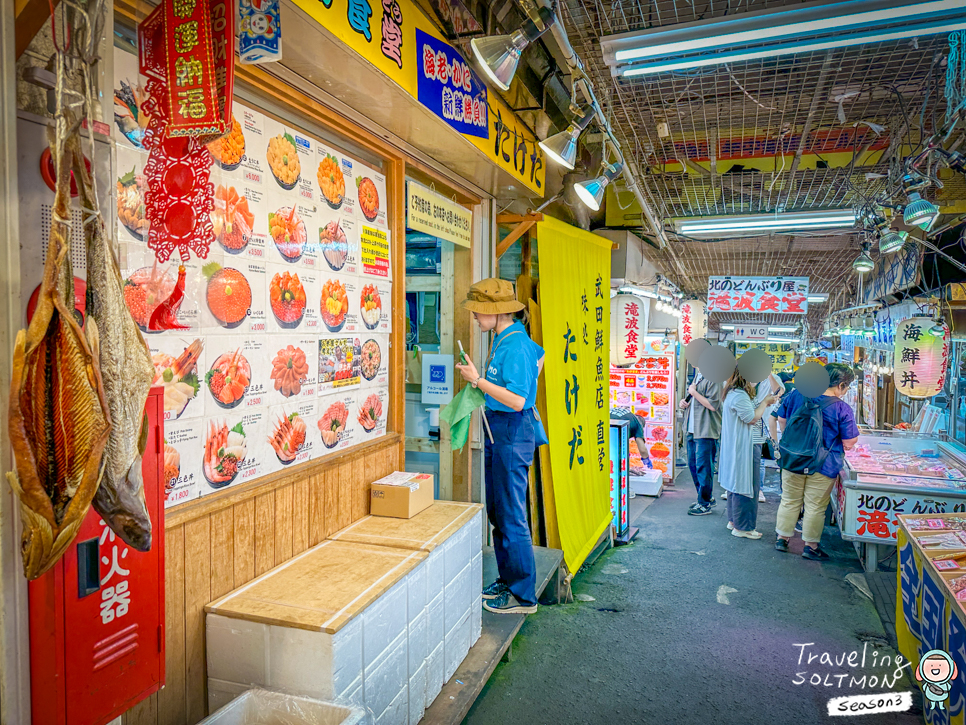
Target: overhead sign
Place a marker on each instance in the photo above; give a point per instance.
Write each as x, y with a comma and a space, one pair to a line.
781, 354
775, 295
385, 34
449, 88
751, 332
434, 214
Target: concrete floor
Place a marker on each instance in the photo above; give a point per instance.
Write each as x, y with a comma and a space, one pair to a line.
690, 623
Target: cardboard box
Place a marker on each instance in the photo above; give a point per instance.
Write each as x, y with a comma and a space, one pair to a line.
402, 495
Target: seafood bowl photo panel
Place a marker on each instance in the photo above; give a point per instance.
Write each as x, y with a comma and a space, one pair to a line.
373, 411
234, 448
291, 294
179, 367
375, 306
228, 151
294, 368
336, 243
334, 176
339, 363
374, 361
183, 479
147, 284
339, 303
282, 159
289, 221
306, 191
131, 185
337, 424
290, 433
235, 295
371, 194
240, 229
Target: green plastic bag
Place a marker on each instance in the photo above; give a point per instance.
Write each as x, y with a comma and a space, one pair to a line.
459, 413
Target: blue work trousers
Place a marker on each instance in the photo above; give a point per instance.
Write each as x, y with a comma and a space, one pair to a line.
700, 454
507, 461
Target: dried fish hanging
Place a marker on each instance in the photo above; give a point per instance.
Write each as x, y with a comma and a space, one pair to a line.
59, 421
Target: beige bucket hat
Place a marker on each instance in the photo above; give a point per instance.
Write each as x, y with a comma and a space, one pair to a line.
492, 297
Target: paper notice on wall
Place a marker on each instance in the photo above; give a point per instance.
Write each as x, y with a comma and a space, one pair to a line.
375, 244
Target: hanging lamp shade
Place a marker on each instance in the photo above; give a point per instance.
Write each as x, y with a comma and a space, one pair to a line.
919, 212
629, 318
921, 358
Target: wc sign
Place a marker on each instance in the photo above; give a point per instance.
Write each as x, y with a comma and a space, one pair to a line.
747, 333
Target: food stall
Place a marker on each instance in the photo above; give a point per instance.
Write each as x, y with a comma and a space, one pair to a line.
888, 474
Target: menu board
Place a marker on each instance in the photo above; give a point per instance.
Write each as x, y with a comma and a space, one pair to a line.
647, 388
284, 355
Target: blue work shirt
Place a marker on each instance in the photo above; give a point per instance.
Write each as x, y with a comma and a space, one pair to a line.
513, 365
839, 425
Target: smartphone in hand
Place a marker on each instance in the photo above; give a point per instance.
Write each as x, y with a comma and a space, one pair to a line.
462, 352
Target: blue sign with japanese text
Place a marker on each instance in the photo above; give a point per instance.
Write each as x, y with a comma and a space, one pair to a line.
448, 87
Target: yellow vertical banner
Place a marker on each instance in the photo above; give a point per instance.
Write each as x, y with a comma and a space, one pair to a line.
574, 293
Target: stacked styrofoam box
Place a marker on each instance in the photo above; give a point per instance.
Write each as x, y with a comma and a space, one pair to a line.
242, 654
385, 651
461, 592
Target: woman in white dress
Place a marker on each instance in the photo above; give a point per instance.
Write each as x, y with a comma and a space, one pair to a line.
736, 460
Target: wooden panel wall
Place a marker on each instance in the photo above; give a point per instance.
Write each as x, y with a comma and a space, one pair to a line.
212, 550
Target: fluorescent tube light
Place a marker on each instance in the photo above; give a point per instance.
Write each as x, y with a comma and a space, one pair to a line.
783, 329
813, 298
843, 41
823, 219
726, 327
788, 340
836, 17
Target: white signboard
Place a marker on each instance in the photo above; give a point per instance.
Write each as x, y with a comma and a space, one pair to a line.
437, 379
775, 295
751, 332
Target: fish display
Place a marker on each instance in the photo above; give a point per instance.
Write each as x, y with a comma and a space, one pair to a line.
58, 417
126, 373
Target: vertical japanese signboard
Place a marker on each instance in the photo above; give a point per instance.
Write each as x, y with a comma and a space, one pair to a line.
921, 357
449, 88
575, 301
777, 295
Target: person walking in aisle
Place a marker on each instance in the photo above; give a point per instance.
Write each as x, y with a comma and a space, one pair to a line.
703, 430
736, 469
816, 432
510, 386
760, 432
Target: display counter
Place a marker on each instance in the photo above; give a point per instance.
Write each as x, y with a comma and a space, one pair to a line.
888, 474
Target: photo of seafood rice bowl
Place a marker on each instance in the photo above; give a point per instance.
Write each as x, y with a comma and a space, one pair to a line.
228, 378
225, 451
332, 424
370, 306
288, 437
370, 412
371, 359
288, 232
334, 245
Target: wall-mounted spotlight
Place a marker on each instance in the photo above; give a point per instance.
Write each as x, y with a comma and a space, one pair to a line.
499, 55
591, 192
562, 147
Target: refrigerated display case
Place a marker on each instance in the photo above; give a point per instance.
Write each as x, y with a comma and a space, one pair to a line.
891, 473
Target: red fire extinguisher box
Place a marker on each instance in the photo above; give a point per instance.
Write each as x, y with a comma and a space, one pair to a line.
97, 617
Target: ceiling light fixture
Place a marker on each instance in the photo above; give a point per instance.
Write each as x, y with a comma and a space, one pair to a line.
754, 223
816, 297
591, 192
562, 147
864, 262
919, 212
499, 55
892, 241
810, 27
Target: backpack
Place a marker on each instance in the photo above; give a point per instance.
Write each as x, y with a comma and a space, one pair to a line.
802, 446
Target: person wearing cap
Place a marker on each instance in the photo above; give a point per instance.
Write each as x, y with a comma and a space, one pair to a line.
510, 386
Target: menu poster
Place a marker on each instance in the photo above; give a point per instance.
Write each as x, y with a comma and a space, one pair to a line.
293, 367
647, 388
374, 361
869, 385
289, 433
182, 473
339, 363
373, 410
179, 366
338, 420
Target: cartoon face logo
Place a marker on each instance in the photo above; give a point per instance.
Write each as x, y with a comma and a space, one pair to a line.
936, 672
262, 25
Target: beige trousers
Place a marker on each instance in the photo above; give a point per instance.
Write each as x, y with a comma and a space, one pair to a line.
813, 492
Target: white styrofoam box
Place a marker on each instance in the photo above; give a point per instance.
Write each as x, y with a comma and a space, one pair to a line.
397, 713
314, 664
220, 693
475, 530
416, 582
476, 620
436, 624
385, 677
261, 706
456, 645
457, 596
383, 622
354, 694
435, 673
418, 641
435, 579
457, 552
477, 572
417, 695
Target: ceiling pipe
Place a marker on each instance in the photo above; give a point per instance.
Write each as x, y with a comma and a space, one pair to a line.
581, 80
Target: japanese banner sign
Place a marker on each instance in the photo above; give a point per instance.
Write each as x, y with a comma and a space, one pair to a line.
628, 315
921, 358
396, 37
647, 388
781, 353
694, 320
575, 305
927, 618
449, 88
777, 295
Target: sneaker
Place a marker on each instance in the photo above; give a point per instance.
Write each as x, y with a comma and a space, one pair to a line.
713, 503
798, 527
781, 544
724, 495
506, 603
746, 534
731, 526
815, 554
697, 509
495, 589
761, 497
